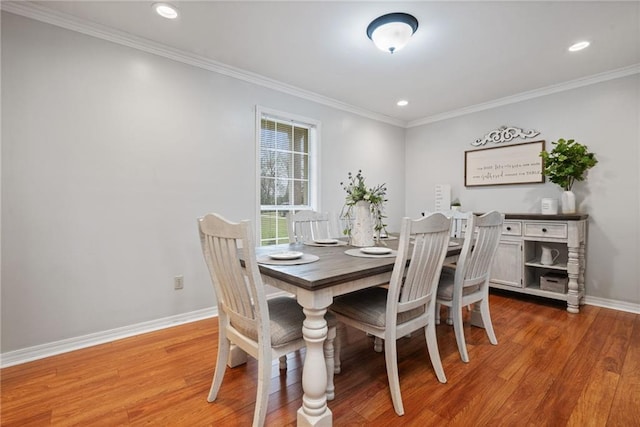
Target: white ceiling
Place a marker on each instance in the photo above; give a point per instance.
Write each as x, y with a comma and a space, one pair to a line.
463, 54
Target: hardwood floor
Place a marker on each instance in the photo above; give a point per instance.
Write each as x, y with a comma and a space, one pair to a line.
550, 368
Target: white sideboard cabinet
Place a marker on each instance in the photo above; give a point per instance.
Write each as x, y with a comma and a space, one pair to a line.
517, 265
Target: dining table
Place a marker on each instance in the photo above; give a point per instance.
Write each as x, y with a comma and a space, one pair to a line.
314, 285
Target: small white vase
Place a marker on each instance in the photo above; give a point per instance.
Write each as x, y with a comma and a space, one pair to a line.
362, 228
568, 202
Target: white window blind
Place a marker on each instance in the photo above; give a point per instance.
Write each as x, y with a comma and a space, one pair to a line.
286, 178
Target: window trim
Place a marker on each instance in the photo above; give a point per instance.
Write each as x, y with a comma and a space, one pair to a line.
314, 127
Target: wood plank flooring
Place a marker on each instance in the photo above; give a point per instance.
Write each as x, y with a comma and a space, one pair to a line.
550, 368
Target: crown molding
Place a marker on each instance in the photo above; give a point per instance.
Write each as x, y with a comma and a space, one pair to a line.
63, 20
536, 93
44, 14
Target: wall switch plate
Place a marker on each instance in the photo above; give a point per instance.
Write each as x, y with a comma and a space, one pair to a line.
178, 282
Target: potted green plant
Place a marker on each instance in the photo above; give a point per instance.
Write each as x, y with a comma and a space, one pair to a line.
361, 205
455, 205
567, 163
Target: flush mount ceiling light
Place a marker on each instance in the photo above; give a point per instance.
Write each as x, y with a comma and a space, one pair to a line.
578, 46
402, 103
391, 32
166, 10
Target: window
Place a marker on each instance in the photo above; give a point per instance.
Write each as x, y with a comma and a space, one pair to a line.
287, 177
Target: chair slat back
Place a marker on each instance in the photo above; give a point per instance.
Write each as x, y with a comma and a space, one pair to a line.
430, 243
481, 242
305, 226
239, 290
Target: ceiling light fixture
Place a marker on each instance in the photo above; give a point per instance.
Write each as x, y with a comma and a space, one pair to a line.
578, 46
392, 32
166, 10
402, 103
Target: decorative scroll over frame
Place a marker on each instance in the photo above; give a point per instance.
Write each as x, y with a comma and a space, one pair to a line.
510, 164
505, 134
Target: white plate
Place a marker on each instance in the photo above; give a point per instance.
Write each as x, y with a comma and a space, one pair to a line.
326, 241
286, 255
376, 250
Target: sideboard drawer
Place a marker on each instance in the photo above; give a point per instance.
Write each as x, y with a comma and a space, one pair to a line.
512, 228
538, 229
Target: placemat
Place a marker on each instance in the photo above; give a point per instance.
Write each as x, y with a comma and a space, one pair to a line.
340, 243
360, 254
304, 259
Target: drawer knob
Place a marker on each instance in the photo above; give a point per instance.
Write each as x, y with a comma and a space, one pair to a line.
508, 228
544, 230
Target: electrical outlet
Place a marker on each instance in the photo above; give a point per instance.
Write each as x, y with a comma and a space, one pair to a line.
178, 282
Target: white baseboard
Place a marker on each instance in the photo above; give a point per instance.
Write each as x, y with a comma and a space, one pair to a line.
29, 354
613, 304
57, 347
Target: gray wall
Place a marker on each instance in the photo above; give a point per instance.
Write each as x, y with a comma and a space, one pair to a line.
605, 117
109, 155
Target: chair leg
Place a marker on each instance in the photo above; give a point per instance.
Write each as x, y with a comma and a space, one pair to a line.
458, 327
377, 344
329, 360
262, 396
221, 364
434, 354
486, 320
282, 362
391, 357
450, 315
438, 313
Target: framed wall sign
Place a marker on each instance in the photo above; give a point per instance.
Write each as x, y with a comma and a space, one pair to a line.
510, 164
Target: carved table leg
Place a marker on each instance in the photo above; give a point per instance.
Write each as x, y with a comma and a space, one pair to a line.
476, 316
237, 356
314, 410
329, 357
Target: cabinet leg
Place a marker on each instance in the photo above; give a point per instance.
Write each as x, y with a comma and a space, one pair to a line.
573, 270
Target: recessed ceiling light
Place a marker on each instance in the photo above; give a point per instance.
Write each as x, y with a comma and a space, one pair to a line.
578, 46
402, 103
166, 10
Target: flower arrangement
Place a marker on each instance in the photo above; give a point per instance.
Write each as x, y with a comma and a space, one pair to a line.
357, 191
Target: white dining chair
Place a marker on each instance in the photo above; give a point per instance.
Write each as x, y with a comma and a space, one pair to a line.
308, 225
409, 302
265, 329
468, 282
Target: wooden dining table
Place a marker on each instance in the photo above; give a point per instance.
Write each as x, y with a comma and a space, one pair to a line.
315, 285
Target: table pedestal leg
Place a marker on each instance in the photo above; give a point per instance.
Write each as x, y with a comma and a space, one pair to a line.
314, 410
